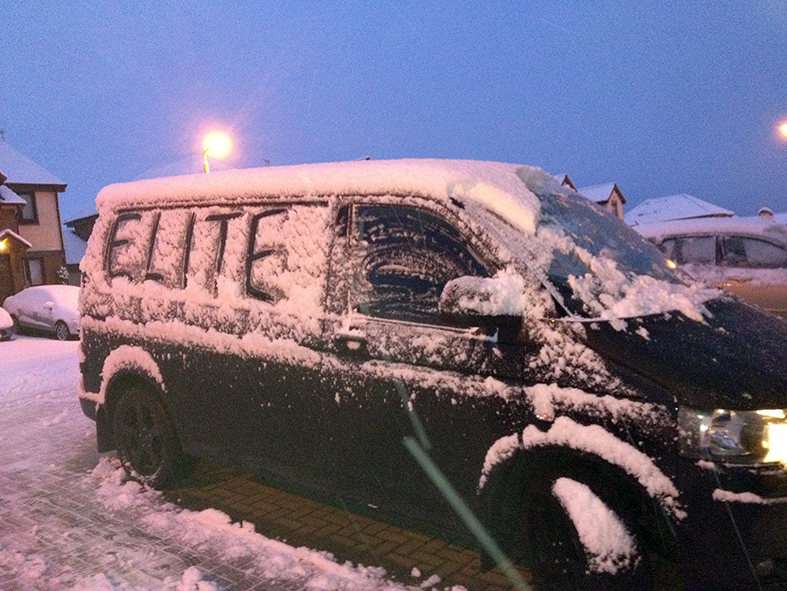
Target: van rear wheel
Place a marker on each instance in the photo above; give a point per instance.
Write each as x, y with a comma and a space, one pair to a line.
145, 438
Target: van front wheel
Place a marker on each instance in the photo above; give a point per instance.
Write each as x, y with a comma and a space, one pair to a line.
145, 438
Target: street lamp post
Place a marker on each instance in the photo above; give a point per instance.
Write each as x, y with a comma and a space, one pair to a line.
219, 145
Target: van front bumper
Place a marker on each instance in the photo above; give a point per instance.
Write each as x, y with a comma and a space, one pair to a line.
735, 532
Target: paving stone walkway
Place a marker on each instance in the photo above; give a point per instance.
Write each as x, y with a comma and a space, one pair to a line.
301, 521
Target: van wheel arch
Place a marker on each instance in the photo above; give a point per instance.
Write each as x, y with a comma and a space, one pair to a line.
510, 494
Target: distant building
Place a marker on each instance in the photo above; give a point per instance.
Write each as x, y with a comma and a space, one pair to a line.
75, 241
607, 195
673, 207
31, 240
565, 181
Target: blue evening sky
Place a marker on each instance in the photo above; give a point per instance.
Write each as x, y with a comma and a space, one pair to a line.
659, 96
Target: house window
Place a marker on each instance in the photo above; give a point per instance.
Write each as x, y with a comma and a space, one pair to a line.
29, 213
34, 271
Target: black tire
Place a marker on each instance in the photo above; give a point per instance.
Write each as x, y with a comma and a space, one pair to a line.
560, 559
146, 441
61, 331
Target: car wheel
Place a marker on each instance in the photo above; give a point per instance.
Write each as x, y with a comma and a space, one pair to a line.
61, 331
145, 438
561, 559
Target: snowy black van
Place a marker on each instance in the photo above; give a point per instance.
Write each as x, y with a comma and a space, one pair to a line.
451, 341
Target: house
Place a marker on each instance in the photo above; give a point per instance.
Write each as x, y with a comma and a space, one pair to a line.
75, 242
607, 196
31, 239
673, 207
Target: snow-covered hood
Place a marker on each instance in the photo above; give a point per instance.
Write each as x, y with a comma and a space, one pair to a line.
736, 358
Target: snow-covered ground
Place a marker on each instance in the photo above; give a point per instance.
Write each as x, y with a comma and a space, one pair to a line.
68, 520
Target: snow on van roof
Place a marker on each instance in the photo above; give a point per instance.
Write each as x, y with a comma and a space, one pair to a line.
505, 189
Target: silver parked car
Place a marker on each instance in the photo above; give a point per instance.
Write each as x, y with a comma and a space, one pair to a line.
6, 325
49, 308
746, 256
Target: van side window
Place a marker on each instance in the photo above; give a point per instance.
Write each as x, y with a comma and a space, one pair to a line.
287, 254
169, 248
407, 257
265, 258
129, 244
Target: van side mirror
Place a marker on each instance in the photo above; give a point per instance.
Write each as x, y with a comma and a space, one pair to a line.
481, 301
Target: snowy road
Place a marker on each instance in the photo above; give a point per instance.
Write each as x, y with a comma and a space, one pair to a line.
69, 521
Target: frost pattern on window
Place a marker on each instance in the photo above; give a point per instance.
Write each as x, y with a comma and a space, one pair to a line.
408, 255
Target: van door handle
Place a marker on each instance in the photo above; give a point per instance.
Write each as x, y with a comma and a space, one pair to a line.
353, 342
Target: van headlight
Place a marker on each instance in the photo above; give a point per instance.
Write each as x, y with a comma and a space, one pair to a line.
734, 436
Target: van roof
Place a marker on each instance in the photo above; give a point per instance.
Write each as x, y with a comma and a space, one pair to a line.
505, 189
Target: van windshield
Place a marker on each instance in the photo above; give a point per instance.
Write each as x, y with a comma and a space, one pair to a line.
599, 233
599, 266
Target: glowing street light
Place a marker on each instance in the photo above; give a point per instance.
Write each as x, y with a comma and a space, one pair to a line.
218, 143
783, 129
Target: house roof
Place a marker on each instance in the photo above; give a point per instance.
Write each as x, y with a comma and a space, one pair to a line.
83, 215
673, 207
601, 193
21, 170
11, 234
565, 181
74, 247
8, 197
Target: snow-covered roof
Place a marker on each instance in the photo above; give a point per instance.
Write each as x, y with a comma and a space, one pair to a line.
82, 215
500, 188
11, 234
599, 193
673, 207
564, 181
22, 170
74, 247
8, 197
